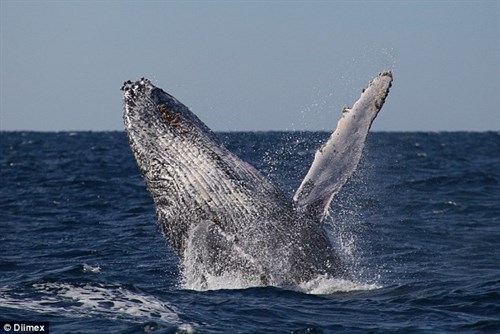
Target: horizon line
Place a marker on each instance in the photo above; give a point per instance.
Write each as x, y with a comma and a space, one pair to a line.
257, 131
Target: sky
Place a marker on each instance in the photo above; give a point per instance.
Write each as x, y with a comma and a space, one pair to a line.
253, 65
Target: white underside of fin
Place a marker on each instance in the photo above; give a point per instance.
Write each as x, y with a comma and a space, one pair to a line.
337, 159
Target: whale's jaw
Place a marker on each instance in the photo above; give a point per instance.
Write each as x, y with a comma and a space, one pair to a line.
220, 214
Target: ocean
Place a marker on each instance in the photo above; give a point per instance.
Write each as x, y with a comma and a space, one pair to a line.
418, 225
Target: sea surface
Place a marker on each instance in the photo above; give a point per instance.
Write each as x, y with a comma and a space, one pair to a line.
418, 225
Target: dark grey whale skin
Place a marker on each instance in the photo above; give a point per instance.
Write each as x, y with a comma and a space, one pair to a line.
220, 214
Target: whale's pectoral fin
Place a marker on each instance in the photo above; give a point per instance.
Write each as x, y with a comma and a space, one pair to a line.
206, 245
336, 160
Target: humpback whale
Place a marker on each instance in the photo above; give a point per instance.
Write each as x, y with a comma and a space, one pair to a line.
220, 214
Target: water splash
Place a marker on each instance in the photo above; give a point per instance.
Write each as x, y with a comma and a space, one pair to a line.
321, 285
195, 276
325, 285
345, 228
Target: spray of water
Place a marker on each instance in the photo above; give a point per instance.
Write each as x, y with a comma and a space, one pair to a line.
344, 226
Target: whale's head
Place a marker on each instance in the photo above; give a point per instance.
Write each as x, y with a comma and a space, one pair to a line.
159, 126
150, 110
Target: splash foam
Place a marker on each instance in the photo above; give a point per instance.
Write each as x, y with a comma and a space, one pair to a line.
92, 300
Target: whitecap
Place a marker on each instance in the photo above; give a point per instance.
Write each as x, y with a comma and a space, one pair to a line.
91, 269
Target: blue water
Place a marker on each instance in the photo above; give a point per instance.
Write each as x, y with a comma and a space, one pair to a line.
418, 224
